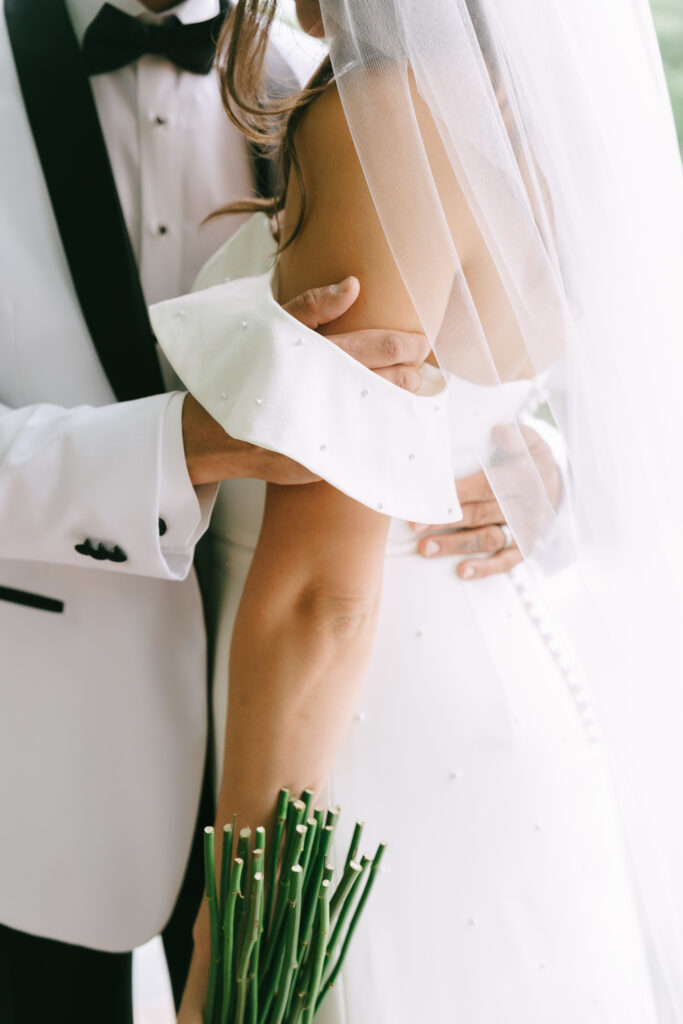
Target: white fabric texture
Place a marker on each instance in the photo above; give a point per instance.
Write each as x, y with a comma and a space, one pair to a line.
504, 896
268, 380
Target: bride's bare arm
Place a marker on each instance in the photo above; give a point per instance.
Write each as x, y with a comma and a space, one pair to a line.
306, 622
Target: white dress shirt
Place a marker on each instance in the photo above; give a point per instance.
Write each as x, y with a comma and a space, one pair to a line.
176, 158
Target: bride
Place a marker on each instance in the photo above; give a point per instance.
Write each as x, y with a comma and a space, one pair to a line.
502, 178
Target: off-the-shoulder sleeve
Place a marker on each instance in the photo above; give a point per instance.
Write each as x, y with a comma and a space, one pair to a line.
268, 380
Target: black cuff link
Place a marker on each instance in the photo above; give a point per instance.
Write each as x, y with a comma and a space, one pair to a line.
101, 553
162, 527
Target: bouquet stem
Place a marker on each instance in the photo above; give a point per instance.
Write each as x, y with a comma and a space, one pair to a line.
279, 930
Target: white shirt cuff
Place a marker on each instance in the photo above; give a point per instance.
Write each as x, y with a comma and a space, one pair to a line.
184, 510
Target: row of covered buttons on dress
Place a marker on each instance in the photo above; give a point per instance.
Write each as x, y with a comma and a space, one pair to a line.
577, 690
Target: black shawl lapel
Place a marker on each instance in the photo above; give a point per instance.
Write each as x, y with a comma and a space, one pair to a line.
63, 118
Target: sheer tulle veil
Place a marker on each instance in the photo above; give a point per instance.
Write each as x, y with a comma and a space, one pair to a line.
523, 161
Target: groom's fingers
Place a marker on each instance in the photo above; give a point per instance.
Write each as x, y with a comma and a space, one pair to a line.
394, 355
408, 378
319, 306
383, 350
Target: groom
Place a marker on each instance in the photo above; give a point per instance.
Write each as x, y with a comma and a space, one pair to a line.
115, 150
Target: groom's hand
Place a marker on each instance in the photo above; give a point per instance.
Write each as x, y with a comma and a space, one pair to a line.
212, 455
395, 355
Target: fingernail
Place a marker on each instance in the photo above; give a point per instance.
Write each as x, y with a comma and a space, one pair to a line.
420, 527
468, 573
343, 286
431, 548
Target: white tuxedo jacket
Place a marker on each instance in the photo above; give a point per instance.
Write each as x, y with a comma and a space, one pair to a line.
102, 640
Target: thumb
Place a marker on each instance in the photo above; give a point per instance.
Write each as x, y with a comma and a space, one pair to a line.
322, 305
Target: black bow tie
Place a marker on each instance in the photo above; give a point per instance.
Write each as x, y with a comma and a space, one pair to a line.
115, 39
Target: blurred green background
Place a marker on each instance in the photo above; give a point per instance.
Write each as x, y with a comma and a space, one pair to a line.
668, 15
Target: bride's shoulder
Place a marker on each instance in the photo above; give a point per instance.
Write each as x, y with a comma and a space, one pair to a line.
323, 133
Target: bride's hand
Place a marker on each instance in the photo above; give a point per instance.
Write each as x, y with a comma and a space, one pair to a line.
483, 530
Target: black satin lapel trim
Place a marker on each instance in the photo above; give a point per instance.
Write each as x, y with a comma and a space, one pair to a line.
29, 600
63, 118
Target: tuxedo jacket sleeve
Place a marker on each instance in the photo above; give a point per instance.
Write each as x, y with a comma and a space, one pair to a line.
101, 487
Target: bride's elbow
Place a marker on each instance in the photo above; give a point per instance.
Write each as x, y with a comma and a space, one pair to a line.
334, 615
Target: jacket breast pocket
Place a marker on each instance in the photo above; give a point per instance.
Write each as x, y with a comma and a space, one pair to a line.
25, 597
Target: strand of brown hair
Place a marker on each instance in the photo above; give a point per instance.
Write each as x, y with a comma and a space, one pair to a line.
267, 120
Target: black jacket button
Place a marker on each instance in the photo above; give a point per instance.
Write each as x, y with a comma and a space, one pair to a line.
101, 553
85, 548
162, 527
117, 554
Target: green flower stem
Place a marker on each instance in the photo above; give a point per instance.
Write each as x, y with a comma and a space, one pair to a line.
292, 942
254, 973
281, 883
260, 845
243, 847
313, 888
299, 849
279, 930
271, 876
258, 867
229, 937
299, 844
265, 1002
306, 863
318, 953
311, 835
295, 853
212, 901
374, 868
294, 843
250, 939
307, 798
353, 869
295, 817
355, 843
226, 862
332, 817
273, 979
344, 915
319, 816
300, 988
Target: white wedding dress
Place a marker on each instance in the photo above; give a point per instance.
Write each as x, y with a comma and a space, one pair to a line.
505, 898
